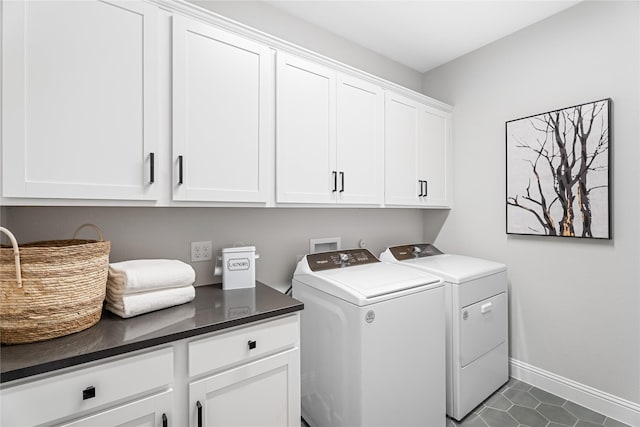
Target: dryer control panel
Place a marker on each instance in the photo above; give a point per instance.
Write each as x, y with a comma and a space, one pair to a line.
340, 259
418, 250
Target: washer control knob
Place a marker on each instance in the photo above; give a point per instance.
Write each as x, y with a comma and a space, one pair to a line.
416, 251
344, 258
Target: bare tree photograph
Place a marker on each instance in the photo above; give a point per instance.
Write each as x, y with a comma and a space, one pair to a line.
558, 172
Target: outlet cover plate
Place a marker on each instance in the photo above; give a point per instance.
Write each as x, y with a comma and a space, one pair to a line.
201, 251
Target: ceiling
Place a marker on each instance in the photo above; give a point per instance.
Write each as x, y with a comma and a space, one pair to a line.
422, 34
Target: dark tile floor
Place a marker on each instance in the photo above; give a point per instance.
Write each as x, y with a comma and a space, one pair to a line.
518, 404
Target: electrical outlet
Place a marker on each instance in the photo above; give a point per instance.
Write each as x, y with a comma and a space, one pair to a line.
201, 251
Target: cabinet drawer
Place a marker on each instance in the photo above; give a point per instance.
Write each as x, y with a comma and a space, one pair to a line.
63, 395
147, 412
219, 351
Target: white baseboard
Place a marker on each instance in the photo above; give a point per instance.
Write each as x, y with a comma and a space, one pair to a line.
607, 404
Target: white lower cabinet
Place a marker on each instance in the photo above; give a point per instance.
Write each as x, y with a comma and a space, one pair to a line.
248, 375
265, 393
114, 392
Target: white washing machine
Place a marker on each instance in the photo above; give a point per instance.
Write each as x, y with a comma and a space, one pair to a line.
477, 344
372, 342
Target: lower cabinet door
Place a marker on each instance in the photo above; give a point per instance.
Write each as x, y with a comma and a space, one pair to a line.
153, 411
265, 392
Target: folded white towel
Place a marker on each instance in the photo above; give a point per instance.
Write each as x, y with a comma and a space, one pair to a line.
142, 275
144, 302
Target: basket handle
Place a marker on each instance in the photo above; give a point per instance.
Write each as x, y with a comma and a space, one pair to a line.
95, 227
16, 254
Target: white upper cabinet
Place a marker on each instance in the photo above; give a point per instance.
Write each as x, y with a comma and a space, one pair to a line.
417, 153
222, 114
305, 131
85, 83
79, 83
401, 150
360, 141
329, 135
435, 165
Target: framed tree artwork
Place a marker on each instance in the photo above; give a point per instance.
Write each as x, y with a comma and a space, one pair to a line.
558, 172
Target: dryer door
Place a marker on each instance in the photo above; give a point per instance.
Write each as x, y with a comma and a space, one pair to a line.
483, 327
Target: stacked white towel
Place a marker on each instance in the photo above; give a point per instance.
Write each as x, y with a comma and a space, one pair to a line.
140, 286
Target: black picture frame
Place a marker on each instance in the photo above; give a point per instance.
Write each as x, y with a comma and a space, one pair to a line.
558, 172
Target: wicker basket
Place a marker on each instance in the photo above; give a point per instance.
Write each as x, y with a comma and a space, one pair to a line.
51, 288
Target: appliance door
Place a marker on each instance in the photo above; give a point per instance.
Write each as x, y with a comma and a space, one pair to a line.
401, 358
483, 327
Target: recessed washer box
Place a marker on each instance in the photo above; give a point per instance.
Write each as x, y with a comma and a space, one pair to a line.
325, 244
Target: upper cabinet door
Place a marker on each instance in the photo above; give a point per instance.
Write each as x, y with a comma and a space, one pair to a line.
417, 153
222, 108
360, 141
435, 154
305, 131
402, 136
79, 108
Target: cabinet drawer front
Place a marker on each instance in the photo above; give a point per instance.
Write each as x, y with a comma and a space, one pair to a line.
63, 395
212, 353
145, 412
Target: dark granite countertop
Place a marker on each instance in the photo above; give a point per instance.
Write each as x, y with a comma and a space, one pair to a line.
212, 310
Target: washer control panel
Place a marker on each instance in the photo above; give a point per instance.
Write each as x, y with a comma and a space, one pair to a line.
418, 250
340, 259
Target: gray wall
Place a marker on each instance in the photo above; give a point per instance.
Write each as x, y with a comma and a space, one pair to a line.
279, 234
574, 303
271, 20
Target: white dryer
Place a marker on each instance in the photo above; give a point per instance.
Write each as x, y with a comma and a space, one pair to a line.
372, 342
477, 344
